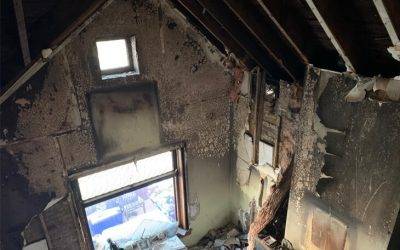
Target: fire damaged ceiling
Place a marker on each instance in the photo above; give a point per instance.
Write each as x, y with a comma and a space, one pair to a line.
290, 34
279, 116
280, 36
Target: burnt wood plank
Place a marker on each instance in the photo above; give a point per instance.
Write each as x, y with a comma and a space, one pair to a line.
209, 23
220, 12
291, 20
269, 37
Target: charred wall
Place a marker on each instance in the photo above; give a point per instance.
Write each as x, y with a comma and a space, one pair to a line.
47, 132
345, 185
251, 187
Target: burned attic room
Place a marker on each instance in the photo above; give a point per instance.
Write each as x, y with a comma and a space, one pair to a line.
200, 124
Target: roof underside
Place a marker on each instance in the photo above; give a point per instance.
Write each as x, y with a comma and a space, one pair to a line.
281, 36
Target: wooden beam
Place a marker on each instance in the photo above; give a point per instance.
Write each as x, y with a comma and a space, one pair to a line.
220, 12
258, 112
269, 37
393, 10
65, 38
23, 38
292, 23
333, 37
209, 23
268, 210
283, 31
389, 25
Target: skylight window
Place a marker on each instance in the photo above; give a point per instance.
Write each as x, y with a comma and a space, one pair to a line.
117, 58
112, 54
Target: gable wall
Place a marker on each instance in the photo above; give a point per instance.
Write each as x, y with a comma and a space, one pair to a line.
47, 132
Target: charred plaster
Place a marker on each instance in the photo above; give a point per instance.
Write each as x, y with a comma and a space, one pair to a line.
280, 123
346, 162
53, 130
19, 202
10, 109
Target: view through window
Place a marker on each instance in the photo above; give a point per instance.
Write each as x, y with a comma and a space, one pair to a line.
131, 202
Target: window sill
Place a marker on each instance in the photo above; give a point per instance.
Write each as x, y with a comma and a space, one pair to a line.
182, 233
119, 75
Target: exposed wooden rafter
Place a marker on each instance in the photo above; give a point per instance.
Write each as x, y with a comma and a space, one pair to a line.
210, 24
389, 24
269, 37
65, 38
292, 24
220, 12
23, 38
289, 39
328, 26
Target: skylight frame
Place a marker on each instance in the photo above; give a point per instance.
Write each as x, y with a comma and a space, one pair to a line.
133, 62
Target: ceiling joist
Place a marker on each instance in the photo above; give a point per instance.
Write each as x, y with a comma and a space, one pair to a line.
23, 38
269, 37
389, 25
292, 24
209, 23
282, 30
328, 28
65, 38
219, 11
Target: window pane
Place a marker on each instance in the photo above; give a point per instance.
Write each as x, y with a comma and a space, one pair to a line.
112, 54
266, 154
112, 179
136, 215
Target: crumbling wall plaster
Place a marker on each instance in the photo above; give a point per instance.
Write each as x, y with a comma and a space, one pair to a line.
46, 125
346, 167
279, 125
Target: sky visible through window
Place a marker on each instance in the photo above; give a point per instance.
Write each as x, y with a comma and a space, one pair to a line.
112, 54
112, 179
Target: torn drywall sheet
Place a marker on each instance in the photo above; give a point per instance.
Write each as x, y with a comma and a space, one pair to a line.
383, 89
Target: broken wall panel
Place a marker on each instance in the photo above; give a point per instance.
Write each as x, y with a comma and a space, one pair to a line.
18, 203
40, 162
60, 237
33, 231
346, 163
279, 128
48, 96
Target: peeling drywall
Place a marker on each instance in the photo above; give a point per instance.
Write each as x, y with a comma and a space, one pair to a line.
346, 164
279, 128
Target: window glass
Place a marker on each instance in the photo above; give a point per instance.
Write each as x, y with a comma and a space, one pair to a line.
131, 217
265, 154
115, 178
112, 54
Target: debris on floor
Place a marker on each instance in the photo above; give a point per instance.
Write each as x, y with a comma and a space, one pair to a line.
227, 237
270, 243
